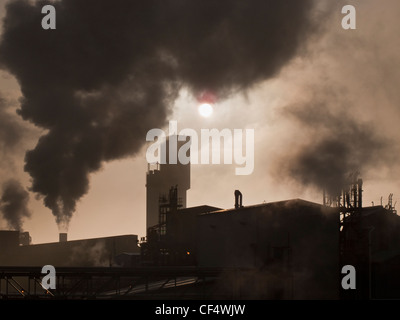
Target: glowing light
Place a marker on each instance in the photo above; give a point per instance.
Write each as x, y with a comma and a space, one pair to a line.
206, 110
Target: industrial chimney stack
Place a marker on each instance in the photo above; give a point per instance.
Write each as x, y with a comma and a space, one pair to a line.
63, 237
238, 199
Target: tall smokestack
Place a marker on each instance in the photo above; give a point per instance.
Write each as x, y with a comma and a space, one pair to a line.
63, 237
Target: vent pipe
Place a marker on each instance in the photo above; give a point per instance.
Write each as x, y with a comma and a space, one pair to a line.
238, 199
63, 237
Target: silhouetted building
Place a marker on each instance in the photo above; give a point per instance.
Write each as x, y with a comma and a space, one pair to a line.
373, 247
76, 253
290, 246
9, 240
173, 240
292, 249
159, 179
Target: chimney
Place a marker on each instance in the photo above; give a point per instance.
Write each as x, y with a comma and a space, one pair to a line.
63, 237
238, 199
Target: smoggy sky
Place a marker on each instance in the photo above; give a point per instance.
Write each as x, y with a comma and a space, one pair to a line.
322, 101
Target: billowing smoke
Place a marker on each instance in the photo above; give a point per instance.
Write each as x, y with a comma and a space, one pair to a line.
112, 69
11, 132
338, 144
14, 198
343, 107
14, 204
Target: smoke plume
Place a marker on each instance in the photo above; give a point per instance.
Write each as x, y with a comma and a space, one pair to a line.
339, 144
112, 69
14, 204
343, 107
11, 132
14, 198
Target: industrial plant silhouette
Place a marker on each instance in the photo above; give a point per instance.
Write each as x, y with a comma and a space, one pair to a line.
292, 249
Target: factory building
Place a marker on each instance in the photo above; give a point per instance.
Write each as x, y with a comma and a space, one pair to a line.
172, 241
97, 252
291, 246
370, 241
292, 249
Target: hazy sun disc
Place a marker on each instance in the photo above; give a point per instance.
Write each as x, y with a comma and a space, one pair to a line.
205, 110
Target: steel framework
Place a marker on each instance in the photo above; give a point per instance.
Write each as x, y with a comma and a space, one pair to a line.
108, 283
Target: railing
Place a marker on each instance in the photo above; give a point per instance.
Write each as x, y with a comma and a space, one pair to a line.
107, 283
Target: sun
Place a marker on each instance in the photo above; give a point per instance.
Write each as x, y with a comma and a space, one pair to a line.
206, 110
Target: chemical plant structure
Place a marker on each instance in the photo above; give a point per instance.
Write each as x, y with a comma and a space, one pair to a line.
293, 249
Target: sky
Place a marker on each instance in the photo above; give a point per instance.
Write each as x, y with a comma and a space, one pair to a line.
76, 104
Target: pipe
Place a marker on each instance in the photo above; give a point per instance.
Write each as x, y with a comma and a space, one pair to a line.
63, 237
370, 261
238, 199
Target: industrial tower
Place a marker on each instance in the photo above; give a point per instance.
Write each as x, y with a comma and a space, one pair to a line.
159, 180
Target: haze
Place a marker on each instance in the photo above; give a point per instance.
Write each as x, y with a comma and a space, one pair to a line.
323, 102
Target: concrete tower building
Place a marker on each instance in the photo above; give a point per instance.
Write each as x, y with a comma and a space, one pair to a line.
161, 177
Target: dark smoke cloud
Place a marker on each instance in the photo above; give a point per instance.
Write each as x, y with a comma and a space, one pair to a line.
112, 69
344, 109
13, 199
14, 204
11, 131
338, 145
